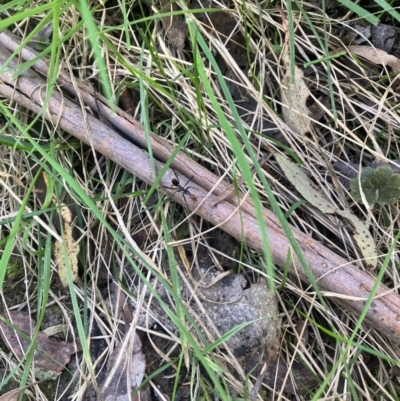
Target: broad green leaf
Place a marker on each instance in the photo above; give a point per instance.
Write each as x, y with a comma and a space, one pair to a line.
380, 185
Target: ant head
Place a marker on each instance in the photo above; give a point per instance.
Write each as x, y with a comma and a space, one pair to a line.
175, 182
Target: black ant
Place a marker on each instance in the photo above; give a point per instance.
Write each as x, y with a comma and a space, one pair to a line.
183, 188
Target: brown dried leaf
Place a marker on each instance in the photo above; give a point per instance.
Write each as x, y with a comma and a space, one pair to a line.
376, 56
277, 374
295, 96
363, 238
174, 26
127, 370
50, 356
395, 371
302, 331
71, 246
13, 394
302, 183
223, 25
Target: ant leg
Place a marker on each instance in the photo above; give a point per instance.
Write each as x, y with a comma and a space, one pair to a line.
190, 179
184, 197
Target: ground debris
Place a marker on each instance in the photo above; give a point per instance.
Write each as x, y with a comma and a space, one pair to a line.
174, 26
50, 356
376, 56
219, 303
127, 363
13, 395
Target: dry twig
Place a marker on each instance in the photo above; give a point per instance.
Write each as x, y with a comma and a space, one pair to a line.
336, 277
